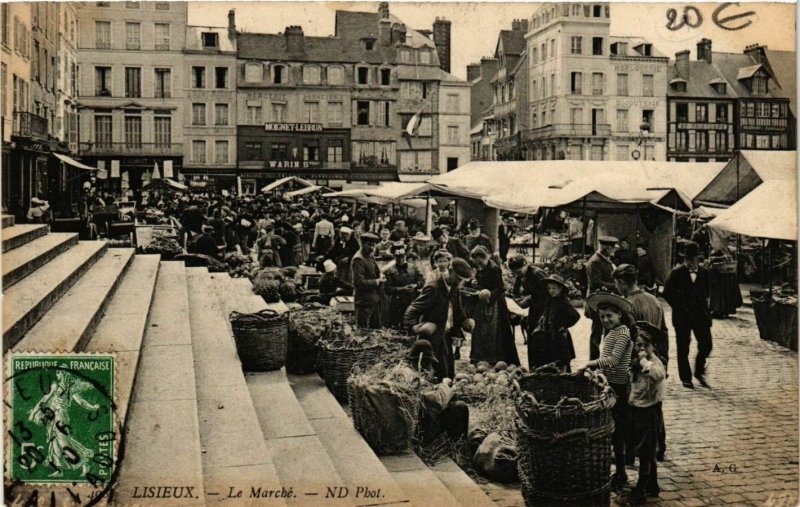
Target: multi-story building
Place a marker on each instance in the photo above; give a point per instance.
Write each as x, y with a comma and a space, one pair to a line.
592, 96
782, 66
723, 102
510, 91
210, 112
482, 132
66, 128
131, 89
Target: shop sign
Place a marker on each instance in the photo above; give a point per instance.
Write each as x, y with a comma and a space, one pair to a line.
293, 164
293, 127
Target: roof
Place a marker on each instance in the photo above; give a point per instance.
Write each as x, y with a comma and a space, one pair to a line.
359, 25
784, 67
425, 73
194, 40
512, 42
750, 216
316, 49
701, 73
749, 71
746, 171
732, 65
633, 43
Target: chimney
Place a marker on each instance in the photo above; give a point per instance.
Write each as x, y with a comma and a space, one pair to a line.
756, 52
704, 50
515, 25
682, 63
383, 10
398, 33
384, 32
294, 39
489, 67
520, 25
232, 24
473, 71
441, 38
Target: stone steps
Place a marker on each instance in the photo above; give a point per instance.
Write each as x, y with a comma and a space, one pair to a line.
162, 431
28, 300
70, 322
8, 221
462, 487
418, 481
17, 235
234, 455
24, 260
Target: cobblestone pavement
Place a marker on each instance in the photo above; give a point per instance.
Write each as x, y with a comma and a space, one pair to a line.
736, 443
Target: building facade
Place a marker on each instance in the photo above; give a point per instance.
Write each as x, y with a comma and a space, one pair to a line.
509, 86
131, 90
210, 113
592, 96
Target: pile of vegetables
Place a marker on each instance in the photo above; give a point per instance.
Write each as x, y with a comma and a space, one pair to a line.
241, 266
481, 381
273, 285
165, 246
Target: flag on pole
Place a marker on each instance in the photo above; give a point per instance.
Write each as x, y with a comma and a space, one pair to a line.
412, 129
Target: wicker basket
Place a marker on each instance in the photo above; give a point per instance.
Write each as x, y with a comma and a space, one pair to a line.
564, 429
336, 362
261, 339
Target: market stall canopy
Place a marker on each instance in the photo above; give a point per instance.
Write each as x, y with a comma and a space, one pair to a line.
166, 182
283, 181
396, 191
769, 211
750, 168
307, 190
352, 193
74, 163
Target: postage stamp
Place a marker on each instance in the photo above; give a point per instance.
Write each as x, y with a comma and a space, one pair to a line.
60, 417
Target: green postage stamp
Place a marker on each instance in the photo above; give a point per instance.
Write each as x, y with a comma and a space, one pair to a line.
60, 415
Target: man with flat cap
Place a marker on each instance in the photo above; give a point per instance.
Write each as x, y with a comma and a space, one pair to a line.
204, 243
445, 242
687, 291
367, 281
599, 270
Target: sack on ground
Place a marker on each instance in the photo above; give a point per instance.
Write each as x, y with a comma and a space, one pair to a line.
496, 458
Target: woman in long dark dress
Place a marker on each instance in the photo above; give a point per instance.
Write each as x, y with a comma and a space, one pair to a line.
492, 338
551, 341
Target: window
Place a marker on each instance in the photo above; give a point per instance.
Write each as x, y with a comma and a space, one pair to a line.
102, 34
597, 83
534, 55
311, 150
597, 46
405, 56
221, 114
597, 11
311, 74
362, 112
278, 74
362, 75
648, 117
133, 82
682, 140
253, 72
385, 117
552, 48
252, 151
647, 85
762, 141
411, 89
220, 77
198, 77
623, 152
279, 151
576, 10
576, 116
221, 152
415, 161
162, 37
210, 40
254, 115
378, 153
619, 49
576, 45
4, 84
622, 85
335, 114
386, 77
335, 75
759, 85
575, 83
335, 150
720, 88
199, 152
721, 141
425, 57
162, 123
311, 112
701, 113
133, 131
278, 112
679, 86
453, 134
762, 110
102, 81
6, 25
162, 6
162, 86
597, 152
622, 120
132, 5
133, 36
102, 130
722, 113
543, 49
453, 104
682, 112
198, 114
701, 137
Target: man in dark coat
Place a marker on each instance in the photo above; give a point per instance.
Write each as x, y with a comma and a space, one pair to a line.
599, 270
687, 290
342, 252
204, 243
644, 265
530, 281
453, 245
367, 281
437, 311
477, 238
504, 232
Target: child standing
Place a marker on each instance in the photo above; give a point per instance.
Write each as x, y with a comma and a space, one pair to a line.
647, 393
615, 363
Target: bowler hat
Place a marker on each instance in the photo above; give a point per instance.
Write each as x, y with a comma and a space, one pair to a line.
608, 240
603, 298
690, 249
461, 267
423, 347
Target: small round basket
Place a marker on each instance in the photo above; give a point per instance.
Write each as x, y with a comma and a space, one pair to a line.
261, 339
564, 429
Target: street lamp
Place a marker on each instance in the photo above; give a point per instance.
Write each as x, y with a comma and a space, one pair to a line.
644, 133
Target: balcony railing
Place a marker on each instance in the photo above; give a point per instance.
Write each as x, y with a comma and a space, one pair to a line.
131, 149
569, 130
29, 125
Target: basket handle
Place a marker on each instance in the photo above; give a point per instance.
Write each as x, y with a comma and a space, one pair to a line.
266, 312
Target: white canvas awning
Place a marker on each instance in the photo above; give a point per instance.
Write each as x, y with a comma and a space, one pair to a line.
283, 181
769, 211
74, 163
307, 190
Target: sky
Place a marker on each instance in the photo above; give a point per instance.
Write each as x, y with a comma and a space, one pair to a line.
475, 26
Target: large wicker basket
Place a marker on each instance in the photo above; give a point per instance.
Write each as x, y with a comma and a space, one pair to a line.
564, 428
336, 362
261, 339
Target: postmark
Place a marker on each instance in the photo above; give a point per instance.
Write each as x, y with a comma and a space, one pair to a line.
60, 419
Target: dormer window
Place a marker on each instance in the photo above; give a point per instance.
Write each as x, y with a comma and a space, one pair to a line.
646, 49
720, 88
619, 49
253, 72
369, 44
425, 57
405, 56
312, 75
210, 40
678, 85
278, 74
759, 85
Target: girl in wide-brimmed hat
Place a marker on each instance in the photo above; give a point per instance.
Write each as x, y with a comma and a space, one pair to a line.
615, 363
551, 341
